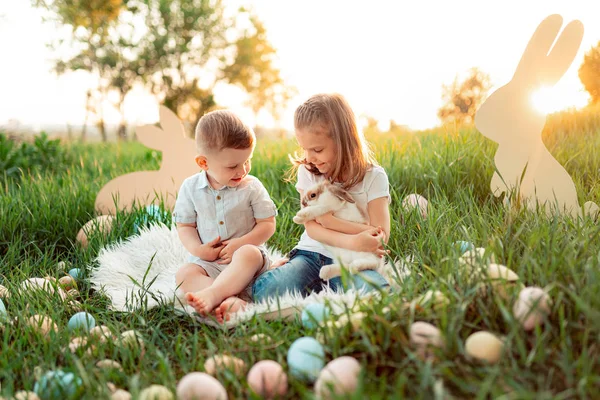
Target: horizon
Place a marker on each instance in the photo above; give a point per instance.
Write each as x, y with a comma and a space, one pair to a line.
392, 69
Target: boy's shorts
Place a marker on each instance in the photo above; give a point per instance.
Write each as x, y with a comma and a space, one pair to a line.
213, 269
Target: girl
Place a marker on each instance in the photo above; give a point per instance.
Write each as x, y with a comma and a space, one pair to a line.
333, 149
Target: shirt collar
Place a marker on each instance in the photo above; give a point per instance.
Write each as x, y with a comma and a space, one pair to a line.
203, 183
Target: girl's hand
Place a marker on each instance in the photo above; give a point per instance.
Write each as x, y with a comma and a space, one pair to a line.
370, 241
210, 251
324, 219
227, 252
279, 263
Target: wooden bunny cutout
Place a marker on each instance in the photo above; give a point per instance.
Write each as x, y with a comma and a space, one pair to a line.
507, 117
145, 187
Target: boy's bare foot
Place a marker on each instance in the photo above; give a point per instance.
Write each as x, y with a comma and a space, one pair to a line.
229, 306
203, 301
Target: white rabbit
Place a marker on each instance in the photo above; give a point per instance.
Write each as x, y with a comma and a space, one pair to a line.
143, 187
324, 198
507, 117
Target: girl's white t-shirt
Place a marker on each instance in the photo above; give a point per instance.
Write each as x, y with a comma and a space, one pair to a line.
374, 185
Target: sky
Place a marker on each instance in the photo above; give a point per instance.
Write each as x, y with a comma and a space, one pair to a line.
388, 58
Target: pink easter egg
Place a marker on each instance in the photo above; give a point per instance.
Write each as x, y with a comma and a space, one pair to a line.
200, 386
268, 379
339, 377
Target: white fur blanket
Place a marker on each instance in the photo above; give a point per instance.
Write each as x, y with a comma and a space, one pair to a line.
139, 272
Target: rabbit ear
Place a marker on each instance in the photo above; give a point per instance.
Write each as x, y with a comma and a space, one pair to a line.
534, 56
563, 53
151, 136
170, 123
341, 193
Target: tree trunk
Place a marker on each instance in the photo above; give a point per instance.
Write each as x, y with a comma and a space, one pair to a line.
102, 128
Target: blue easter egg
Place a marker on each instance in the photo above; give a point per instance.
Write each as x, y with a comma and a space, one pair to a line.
151, 213
81, 321
75, 273
313, 314
306, 359
464, 246
54, 385
3, 313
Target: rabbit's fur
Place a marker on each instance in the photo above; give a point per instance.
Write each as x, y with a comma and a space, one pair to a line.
523, 163
324, 198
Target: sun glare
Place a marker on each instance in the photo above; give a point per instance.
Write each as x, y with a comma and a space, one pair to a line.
548, 100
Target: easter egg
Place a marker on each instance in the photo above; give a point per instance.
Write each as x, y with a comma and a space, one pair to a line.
3, 313
152, 213
424, 336
415, 201
200, 386
108, 364
120, 394
431, 298
57, 385
101, 332
484, 346
338, 378
305, 358
222, 362
81, 321
532, 306
156, 392
4, 293
313, 314
67, 282
463, 246
259, 338
75, 273
42, 324
268, 379
24, 395
101, 224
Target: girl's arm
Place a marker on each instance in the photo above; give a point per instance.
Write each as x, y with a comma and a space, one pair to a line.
379, 215
368, 240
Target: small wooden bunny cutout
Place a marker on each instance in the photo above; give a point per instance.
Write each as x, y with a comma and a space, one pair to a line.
145, 187
507, 117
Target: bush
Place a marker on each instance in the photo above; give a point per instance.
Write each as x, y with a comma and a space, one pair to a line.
43, 154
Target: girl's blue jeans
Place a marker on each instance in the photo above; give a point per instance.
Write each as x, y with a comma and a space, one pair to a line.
301, 275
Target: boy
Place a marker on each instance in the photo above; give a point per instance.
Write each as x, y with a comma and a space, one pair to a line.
224, 216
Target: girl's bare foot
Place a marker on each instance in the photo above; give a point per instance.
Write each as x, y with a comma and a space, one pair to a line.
203, 301
229, 306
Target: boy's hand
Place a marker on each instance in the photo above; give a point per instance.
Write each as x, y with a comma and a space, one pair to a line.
226, 253
210, 251
279, 263
370, 241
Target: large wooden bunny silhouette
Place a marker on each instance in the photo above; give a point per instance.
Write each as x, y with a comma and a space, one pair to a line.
145, 187
507, 117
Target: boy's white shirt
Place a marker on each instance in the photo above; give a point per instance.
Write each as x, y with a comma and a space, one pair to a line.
227, 212
374, 185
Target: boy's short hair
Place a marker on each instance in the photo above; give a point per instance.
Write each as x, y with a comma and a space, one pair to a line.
222, 129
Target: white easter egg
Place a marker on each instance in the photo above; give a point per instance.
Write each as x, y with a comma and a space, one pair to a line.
416, 201
35, 284
42, 324
338, 378
132, 340
484, 346
433, 298
268, 379
101, 224
109, 364
222, 361
532, 306
156, 392
423, 336
200, 386
4, 293
259, 338
24, 395
121, 394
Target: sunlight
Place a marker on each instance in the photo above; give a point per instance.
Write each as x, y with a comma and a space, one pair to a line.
548, 100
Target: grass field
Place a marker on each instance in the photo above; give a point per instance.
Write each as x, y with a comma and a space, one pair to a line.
41, 214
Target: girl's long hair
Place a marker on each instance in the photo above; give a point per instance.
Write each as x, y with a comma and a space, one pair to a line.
330, 114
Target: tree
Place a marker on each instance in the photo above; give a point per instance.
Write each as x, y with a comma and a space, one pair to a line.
462, 99
177, 49
589, 73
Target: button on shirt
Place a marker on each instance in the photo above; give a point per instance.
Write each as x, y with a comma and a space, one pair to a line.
227, 212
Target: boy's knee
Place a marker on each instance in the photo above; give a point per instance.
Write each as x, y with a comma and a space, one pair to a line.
188, 269
249, 253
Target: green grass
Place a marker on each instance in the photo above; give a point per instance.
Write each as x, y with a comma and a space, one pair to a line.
41, 214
